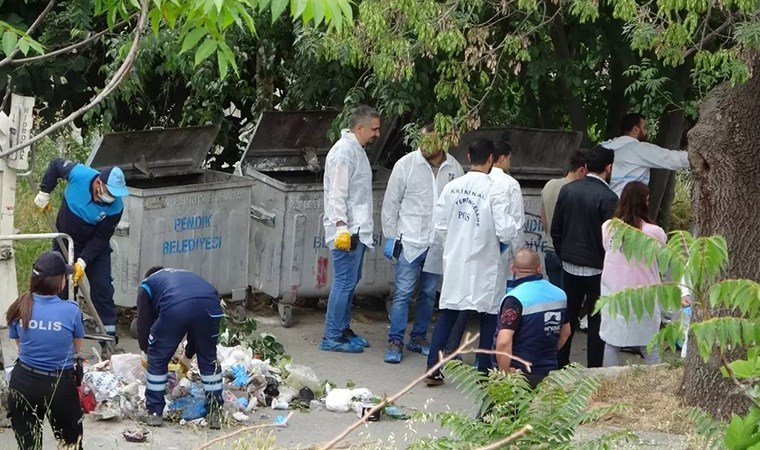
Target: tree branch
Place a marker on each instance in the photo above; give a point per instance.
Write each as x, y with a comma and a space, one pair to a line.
115, 81
403, 391
707, 39
236, 432
69, 48
511, 438
31, 29
8, 92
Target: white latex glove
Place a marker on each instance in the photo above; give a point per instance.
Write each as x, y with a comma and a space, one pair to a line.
42, 200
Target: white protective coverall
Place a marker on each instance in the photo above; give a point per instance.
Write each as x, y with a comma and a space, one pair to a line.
516, 209
348, 189
634, 158
411, 196
471, 219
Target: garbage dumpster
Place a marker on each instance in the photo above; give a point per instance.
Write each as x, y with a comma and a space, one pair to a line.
178, 214
537, 156
289, 257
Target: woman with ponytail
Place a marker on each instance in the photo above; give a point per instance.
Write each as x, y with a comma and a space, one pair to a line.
48, 332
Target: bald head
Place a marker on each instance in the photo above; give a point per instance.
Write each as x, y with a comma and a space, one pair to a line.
526, 262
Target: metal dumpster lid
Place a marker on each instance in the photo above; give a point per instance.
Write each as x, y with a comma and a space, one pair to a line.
155, 153
537, 154
281, 139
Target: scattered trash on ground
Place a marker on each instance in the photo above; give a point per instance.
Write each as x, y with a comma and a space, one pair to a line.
138, 435
114, 389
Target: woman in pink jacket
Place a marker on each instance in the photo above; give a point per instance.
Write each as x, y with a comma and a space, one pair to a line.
619, 273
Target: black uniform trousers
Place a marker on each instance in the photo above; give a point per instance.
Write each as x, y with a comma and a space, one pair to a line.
34, 396
578, 290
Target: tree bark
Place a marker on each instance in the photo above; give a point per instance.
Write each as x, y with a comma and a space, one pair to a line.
726, 170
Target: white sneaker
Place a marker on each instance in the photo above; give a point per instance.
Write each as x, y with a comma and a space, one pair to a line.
584, 323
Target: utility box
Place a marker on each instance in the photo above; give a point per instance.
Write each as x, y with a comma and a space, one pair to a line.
289, 258
538, 155
177, 214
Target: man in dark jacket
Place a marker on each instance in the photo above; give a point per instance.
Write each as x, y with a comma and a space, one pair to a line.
582, 207
90, 211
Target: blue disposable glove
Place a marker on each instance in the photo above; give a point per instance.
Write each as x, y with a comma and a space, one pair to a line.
388, 250
503, 247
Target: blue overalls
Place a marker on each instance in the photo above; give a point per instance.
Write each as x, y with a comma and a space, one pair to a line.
183, 304
90, 225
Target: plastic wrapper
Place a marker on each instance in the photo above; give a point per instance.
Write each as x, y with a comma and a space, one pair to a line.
128, 366
301, 376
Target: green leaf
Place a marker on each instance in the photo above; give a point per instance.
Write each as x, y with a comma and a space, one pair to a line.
23, 46
278, 7
206, 49
223, 64
297, 8
191, 39
319, 11
741, 433
9, 42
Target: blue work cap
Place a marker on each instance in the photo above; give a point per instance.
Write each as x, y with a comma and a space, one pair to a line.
113, 177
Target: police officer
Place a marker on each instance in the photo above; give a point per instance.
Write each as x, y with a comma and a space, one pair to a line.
48, 332
172, 303
90, 210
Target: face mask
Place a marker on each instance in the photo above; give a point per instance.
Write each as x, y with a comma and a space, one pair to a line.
105, 197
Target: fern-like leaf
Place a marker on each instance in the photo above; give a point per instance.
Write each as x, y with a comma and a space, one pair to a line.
741, 295
711, 430
469, 380
725, 333
642, 300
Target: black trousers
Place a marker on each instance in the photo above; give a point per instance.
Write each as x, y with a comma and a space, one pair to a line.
578, 290
33, 396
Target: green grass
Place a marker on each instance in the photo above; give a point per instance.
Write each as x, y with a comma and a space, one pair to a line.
27, 218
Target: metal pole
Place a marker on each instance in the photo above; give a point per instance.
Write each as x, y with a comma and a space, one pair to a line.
48, 236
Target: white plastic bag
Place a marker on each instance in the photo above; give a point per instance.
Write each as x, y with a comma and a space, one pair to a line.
129, 367
105, 385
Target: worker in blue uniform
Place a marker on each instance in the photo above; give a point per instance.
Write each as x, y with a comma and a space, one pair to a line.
90, 211
172, 303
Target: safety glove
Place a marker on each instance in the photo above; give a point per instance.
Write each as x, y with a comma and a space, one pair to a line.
343, 238
79, 267
42, 200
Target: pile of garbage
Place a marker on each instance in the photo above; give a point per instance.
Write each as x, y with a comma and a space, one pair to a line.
115, 388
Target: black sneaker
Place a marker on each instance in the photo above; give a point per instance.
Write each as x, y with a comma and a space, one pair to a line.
435, 379
152, 420
214, 419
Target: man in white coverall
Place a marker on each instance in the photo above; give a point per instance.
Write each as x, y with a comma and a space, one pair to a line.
348, 224
502, 161
471, 219
634, 156
416, 182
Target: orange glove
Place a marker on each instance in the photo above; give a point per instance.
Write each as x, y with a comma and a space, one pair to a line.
42, 200
79, 267
144, 360
342, 238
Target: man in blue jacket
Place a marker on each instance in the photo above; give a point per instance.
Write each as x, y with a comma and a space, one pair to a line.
90, 211
172, 303
532, 321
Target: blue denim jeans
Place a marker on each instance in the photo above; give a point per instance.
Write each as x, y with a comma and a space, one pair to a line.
347, 271
446, 320
553, 268
407, 275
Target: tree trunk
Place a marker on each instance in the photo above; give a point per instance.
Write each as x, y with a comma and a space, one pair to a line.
726, 170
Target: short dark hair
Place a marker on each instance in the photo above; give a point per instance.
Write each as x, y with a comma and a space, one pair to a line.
630, 121
429, 128
361, 114
500, 148
480, 150
598, 158
578, 159
153, 270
